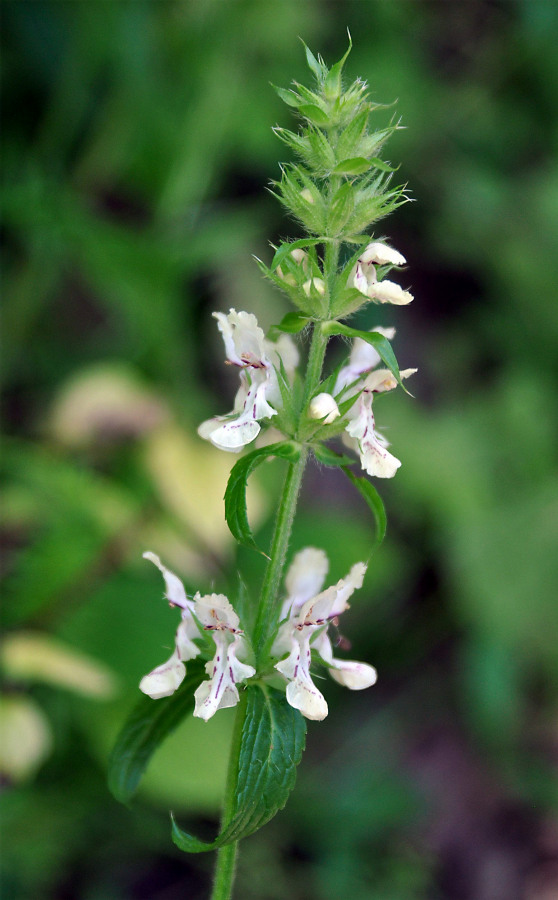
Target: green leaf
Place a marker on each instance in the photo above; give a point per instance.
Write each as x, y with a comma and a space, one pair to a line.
287, 418
273, 737
292, 323
147, 726
314, 113
235, 494
355, 166
342, 206
349, 143
372, 497
332, 85
313, 63
380, 164
294, 292
330, 457
377, 340
288, 97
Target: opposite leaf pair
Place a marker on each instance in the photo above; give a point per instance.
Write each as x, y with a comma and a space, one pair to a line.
305, 618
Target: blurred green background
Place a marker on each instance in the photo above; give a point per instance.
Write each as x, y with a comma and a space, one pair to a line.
137, 147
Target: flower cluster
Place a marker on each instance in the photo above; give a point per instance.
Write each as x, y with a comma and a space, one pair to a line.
258, 396
211, 613
306, 616
258, 359
360, 378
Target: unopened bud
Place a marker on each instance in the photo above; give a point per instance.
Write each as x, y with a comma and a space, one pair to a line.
314, 284
288, 279
323, 406
298, 255
306, 194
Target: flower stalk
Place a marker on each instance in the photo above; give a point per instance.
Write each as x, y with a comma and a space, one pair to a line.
338, 188
267, 609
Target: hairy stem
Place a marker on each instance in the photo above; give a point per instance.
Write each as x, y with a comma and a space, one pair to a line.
267, 612
226, 856
267, 615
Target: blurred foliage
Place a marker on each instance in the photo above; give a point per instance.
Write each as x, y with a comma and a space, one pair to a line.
137, 146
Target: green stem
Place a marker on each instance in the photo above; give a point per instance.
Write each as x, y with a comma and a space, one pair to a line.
267, 613
226, 856
267, 608
315, 363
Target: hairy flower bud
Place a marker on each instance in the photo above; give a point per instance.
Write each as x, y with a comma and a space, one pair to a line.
323, 406
306, 195
314, 284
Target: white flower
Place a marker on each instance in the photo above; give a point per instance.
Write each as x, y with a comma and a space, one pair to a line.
258, 396
360, 377
379, 253
363, 358
309, 615
216, 614
213, 613
372, 446
166, 678
389, 292
323, 406
304, 579
365, 279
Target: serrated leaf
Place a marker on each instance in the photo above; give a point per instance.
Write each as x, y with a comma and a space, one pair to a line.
380, 164
330, 457
150, 722
377, 340
314, 113
272, 742
373, 499
355, 166
235, 494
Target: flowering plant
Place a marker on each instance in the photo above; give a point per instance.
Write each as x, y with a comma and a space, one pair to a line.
338, 189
